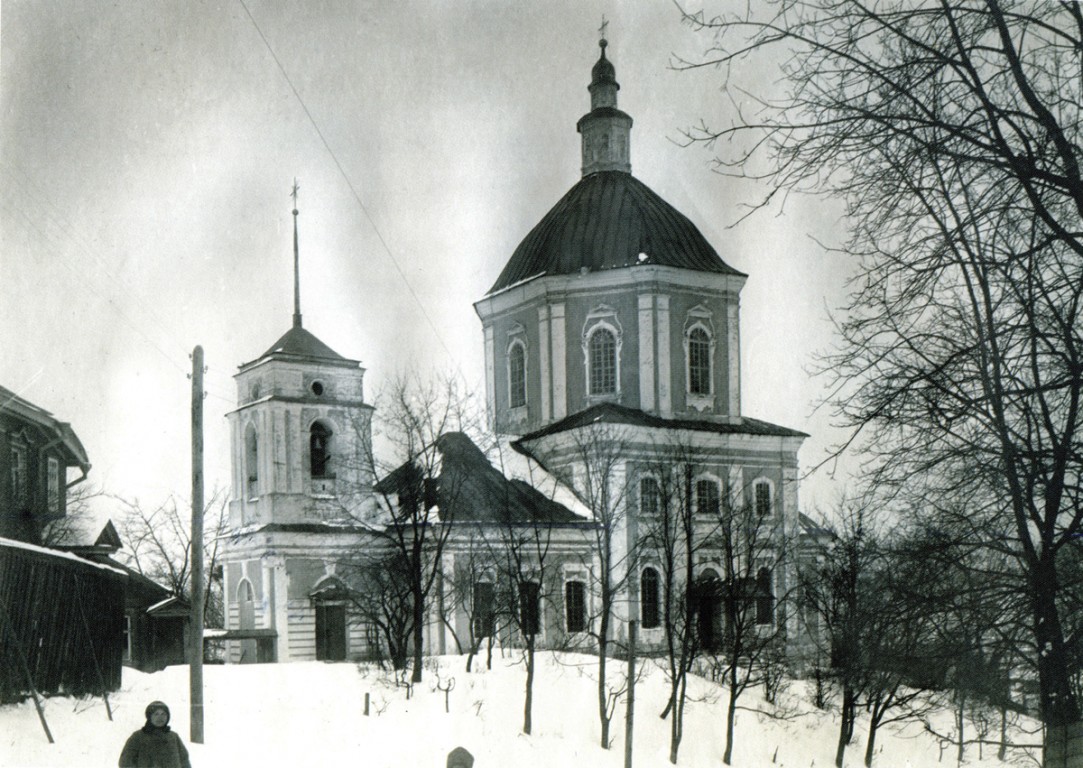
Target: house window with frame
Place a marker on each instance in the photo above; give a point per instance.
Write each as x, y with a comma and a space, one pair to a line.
575, 606
53, 480
529, 608
18, 475
708, 498
762, 491
648, 599
602, 356
319, 446
517, 375
699, 362
650, 497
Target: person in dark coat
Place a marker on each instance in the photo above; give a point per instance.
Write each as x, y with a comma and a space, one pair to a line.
154, 745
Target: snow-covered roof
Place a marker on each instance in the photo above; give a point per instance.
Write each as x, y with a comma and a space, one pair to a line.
13, 544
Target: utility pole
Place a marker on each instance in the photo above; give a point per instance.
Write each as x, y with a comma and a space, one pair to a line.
195, 639
629, 714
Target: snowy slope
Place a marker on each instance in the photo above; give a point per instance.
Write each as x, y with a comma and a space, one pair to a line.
312, 714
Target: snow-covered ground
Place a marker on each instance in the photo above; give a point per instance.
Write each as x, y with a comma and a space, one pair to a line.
309, 714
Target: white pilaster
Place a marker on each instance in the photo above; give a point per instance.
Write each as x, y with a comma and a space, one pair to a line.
560, 372
279, 584
665, 378
544, 373
733, 355
646, 352
490, 374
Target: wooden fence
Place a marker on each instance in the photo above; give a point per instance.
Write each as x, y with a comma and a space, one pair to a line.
61, 623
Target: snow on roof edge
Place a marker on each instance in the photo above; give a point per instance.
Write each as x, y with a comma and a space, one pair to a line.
14, 544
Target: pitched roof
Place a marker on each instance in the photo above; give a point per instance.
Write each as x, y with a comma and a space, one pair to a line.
607, 221
611, 413
300, 344
24, 410
469, 489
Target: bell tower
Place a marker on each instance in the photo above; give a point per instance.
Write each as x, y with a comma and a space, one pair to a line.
301, 434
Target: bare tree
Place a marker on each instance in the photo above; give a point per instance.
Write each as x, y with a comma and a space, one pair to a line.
669, 537
753, 548
835, 589
599, 462
418, 495
952, 131
159, 541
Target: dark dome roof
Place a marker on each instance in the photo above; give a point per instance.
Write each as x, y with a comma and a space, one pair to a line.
603, 71
605, 222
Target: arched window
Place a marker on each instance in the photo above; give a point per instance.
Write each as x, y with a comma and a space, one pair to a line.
602, 354
575, 606
763, 498
765, 598
319, 450
648, 599
650, 497
699, 362
517, 375
251, 461
708, 498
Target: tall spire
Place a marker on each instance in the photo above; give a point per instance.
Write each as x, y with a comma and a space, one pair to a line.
296, 262
605, 129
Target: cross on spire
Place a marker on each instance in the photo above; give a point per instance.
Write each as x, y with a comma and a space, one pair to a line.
602, 29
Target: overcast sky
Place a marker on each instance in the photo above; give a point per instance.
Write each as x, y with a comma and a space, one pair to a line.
148, 151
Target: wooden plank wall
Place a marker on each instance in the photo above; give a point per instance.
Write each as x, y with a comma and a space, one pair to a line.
51, 602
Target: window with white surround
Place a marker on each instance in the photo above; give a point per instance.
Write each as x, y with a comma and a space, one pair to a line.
601, 352
319, 446
575, 606
763, 497
484, 609
765, 597
709, 497
650, 497
649, 602
517, 374
251, 462
699, 362
529, 607
699, 346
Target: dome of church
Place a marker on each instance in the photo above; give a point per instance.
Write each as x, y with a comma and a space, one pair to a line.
610, 220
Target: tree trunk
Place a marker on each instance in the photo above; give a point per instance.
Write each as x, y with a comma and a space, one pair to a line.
960, 714
529, 700
731, 715
846, 725
676, 730
870, 748
1059, 705
1002, 751
603, 714
419, 637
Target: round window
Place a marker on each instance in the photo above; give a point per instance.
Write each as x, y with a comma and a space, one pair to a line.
317, 388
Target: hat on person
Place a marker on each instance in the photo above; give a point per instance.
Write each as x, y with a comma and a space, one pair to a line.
155, 705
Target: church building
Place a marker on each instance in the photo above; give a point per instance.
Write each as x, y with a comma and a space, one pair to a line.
612, 336
612, 369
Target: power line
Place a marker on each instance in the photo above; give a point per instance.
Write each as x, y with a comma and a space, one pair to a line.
349, 183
